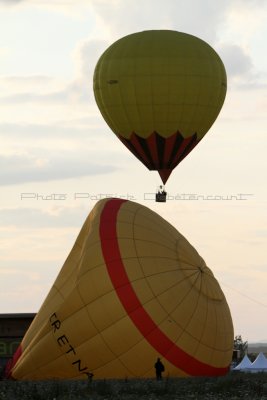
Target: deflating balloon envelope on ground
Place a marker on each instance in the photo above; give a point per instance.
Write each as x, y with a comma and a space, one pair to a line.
160, 92
132, 289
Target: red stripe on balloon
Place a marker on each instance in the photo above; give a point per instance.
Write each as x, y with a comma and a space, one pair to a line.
139, 149
169, 144
139, 316
12, 362
152, 145
187, 145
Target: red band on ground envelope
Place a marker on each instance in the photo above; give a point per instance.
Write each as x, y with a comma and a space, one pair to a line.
12, 362
139, 316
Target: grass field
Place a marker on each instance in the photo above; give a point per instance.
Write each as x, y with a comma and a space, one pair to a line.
231, 387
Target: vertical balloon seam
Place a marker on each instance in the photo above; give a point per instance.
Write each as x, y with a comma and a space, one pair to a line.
139, 316
204, 320
105, 111
126, 116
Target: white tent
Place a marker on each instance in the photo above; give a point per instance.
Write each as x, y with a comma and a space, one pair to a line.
244, 364
259, 365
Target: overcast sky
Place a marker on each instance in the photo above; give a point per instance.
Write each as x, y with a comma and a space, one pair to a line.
58, 156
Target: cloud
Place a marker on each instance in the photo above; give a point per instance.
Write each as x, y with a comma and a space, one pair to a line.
31, 97
244, 18
261, 233
78, 90
71, 8
57, 216
66, 149
55, 3
25, 168
25, 80
236, 61
74, 129
30, 275
19, 84
10, 2
240, 69
186, 15
87, 55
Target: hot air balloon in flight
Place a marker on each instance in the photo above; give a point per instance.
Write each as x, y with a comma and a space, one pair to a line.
131, 290
160, 92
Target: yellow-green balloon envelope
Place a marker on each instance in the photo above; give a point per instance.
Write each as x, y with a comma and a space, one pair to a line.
160, 92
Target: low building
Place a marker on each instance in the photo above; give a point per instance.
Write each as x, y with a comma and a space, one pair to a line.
12, 330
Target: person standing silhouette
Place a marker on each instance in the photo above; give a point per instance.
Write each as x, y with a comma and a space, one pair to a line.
159, 367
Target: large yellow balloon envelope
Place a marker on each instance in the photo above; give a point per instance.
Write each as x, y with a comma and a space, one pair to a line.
132, 289
160, 92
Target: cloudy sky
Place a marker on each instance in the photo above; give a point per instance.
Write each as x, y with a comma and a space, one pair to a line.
57, 155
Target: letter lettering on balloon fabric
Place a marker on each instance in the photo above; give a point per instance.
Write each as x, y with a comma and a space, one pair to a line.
56, 324
71, 349
79, 366
62, 339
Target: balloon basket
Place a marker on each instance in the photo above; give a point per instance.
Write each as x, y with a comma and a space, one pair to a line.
161, 195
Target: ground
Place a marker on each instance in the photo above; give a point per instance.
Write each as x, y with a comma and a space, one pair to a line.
234, 386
